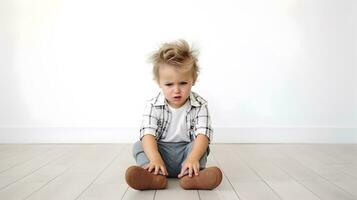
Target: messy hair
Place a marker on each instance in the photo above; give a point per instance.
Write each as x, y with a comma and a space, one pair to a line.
178, 54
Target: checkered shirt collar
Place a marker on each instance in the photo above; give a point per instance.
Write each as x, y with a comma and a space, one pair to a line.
161, 101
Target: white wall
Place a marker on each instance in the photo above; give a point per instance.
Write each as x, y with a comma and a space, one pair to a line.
69, 64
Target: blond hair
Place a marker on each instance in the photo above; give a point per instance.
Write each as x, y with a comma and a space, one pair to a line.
178, 54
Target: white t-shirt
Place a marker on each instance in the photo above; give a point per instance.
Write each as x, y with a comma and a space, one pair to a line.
177, 131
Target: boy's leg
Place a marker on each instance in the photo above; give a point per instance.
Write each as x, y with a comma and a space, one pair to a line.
139, 178
172, 154
203, 160
139, 154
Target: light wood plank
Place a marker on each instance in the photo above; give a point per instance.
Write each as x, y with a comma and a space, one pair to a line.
21, 155
296, 169
291, 190
132, 194
326, 190
329, 181
254, 190
349, 185
251, 171
175, 192
247, 184
283, 184
224, 191
14, 150
261, 163
327, 170
20, 171
232, 165
111, 183
72, 183
26, 186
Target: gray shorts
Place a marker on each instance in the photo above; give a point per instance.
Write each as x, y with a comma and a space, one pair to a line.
173, 154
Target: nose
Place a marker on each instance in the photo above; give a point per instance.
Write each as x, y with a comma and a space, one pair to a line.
176, 89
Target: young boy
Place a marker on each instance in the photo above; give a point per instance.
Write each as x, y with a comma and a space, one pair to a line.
176, 128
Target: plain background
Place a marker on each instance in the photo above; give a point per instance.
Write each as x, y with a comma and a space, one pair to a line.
271, 70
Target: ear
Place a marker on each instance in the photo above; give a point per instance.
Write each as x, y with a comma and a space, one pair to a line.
194, 81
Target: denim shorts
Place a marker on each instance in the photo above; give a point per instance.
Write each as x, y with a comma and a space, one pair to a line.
172, 153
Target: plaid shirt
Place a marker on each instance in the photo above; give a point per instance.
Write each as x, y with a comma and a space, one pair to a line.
157, 118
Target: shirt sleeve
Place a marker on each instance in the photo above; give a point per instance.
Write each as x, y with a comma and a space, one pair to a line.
203, 125
149, 121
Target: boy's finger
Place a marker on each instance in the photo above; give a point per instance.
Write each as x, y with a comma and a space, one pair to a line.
156, 170
182, 171
161, 170
190, 171
164, 171
195, 170
151, 168
180, 174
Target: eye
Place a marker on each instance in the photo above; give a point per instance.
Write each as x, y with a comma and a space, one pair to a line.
168, 84
183, 83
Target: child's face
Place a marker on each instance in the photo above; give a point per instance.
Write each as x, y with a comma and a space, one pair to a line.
175, 84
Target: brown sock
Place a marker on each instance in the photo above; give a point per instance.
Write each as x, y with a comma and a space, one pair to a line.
207, 179
140, 179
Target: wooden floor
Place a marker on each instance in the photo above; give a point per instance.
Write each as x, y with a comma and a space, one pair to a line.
251, 172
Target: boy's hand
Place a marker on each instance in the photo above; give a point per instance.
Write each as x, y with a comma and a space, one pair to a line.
193, 167
157, 166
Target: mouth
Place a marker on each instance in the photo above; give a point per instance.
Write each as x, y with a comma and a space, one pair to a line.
177, 98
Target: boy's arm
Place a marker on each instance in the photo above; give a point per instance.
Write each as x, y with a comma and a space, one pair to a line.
151, 151
199, 147
192, 162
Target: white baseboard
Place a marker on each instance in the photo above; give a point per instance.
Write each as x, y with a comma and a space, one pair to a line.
221, 135
286, 135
